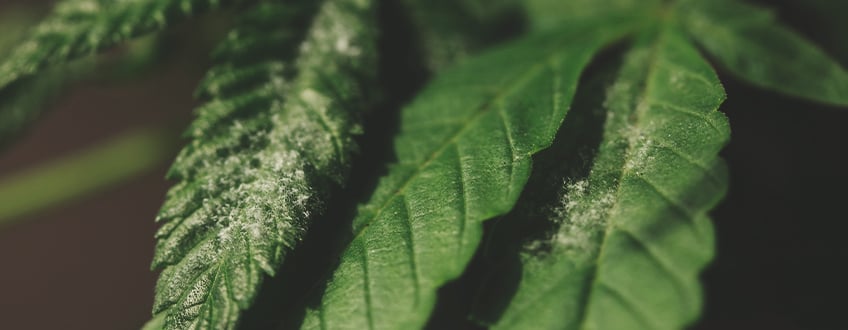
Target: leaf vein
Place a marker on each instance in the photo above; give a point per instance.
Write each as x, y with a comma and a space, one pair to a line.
410, 237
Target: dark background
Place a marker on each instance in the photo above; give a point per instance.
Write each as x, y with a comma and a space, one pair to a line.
780, 230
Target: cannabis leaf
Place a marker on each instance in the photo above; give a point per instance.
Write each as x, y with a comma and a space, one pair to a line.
267, 146
749, 42
427, 211
618, 245
632, 238
463, 157
76, 28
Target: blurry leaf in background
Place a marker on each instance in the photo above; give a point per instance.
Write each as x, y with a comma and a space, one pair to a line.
83, 173
75, 29
24, 100
14, 21
16, 106
754, 46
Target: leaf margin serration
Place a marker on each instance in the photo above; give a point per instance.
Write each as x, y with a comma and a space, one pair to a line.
389, 210
216, 249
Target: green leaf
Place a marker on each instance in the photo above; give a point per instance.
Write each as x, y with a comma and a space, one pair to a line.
752, 45
266, 148
630, 240
463, 157
75, 28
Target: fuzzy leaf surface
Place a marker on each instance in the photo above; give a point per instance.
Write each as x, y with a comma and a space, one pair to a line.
631, 239
463, 157
752, 45
265, 150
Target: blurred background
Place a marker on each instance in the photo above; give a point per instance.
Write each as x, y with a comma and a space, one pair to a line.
84, 263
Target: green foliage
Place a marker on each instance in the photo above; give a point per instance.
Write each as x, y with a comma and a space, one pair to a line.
79, 27
618, 246
631, 238
750, 43
463, 157
75, 28
274, 136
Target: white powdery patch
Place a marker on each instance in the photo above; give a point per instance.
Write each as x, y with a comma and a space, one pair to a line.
639, 154
267, 208
582, 216
306, 123
332, 34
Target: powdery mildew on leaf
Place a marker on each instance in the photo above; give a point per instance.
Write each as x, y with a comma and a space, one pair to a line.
633, 237
463, 157
265, 151
581, 217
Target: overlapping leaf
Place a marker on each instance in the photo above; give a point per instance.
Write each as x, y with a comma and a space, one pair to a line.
277, 130
632, 238
463, 157
266, 148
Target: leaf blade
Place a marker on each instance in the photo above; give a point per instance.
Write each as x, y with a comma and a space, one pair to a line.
472, 129
266, 148
753, 46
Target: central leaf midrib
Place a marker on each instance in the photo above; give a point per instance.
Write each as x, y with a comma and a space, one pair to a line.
484, 110
653, 62
452, 139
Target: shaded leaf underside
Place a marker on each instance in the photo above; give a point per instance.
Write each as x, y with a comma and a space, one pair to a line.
265, 149
633, 237
463, 157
